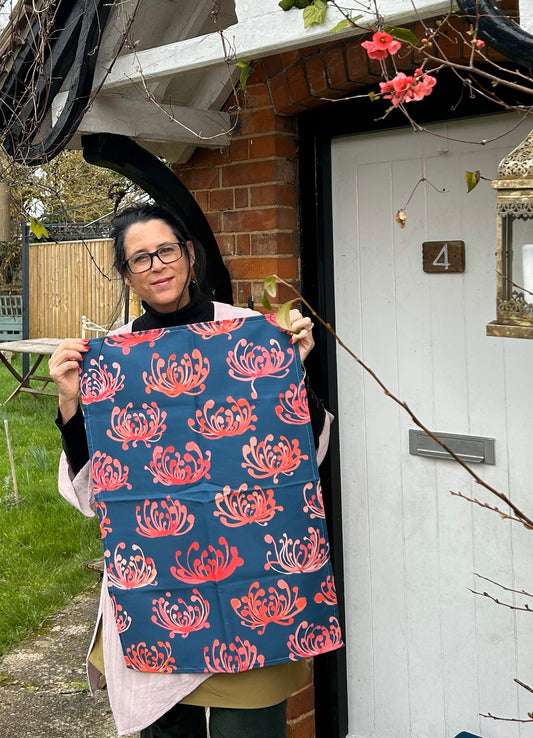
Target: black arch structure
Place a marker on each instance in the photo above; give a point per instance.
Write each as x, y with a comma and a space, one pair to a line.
126, 157
70, 47
499, 31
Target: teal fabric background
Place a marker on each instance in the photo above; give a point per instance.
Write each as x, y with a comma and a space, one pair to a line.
208, 497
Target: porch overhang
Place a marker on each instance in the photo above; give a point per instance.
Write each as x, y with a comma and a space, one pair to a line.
158, 71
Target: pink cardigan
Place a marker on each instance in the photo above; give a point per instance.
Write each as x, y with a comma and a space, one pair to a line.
138, 698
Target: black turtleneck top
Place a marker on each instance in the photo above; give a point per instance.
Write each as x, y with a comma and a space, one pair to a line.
198, 310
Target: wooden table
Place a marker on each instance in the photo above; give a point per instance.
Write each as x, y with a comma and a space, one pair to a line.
41, 347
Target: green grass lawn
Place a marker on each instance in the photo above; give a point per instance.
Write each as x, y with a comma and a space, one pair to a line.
43, 539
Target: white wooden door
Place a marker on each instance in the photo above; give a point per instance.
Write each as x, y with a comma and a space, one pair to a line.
425, 655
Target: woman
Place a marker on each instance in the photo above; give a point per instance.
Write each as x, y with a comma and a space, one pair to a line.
155, 259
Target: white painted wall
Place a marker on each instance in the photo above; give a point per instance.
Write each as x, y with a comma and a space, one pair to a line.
387, 8
425, 655
262, 29
526, 15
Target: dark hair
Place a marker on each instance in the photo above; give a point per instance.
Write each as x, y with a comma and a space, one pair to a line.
141, 214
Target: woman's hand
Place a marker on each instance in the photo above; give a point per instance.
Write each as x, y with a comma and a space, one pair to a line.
302, 333
64, 367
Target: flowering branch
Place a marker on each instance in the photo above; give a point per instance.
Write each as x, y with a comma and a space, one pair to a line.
388, 40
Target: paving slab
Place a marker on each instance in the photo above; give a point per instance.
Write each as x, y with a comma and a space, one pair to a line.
43, 685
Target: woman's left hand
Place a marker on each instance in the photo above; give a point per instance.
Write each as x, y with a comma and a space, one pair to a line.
302, 329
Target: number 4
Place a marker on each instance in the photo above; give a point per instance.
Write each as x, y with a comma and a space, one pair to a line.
441, 260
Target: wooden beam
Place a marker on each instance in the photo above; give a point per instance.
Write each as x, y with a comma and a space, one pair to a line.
142, 119
250, 39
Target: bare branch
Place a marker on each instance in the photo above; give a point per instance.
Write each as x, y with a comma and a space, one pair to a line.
525, 608
525, 686
506, 719
507, 589
504, 516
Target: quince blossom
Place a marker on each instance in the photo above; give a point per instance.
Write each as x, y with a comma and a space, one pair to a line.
404, 88
382, 44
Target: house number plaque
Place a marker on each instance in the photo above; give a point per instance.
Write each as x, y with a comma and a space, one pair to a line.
443, 256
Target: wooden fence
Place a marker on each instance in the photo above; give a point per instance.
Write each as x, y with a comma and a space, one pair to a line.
69, 279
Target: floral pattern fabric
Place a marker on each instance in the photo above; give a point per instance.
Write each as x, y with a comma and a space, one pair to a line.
208, 497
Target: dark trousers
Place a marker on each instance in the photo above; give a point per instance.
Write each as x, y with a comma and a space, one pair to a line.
189, 721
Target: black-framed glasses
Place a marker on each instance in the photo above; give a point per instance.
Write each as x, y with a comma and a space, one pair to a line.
167, 253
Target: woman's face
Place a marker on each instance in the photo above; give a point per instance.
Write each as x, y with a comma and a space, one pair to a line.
164, 286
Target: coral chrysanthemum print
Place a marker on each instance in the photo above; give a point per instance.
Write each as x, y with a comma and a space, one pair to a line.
207, 491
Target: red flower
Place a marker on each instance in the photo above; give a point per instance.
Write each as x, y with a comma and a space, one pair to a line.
404, 88
297, 557
382, 44
225, 421
238, 656
172, 520
132, 427
328, 593
122, 619
257, 609
108, 473
241, 507
105, 522
143, 658
182, 469
310, 640
424, 84
293, 407
126, 341
314, 504
182, 618
130, 573
248, 362
211, 566
266, 460
98, 383
185, 377
221, 327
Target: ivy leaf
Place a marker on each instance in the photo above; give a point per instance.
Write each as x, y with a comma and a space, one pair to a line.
286, 4
472, 179
246, 71
347, 22
269, 290
270, 285
403, 34
283, 316
37, 228
315, 13
265, 302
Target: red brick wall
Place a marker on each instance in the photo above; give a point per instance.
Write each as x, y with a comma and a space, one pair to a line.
248, 193
301, 713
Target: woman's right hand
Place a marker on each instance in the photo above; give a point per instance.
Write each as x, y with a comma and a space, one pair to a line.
64, 367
